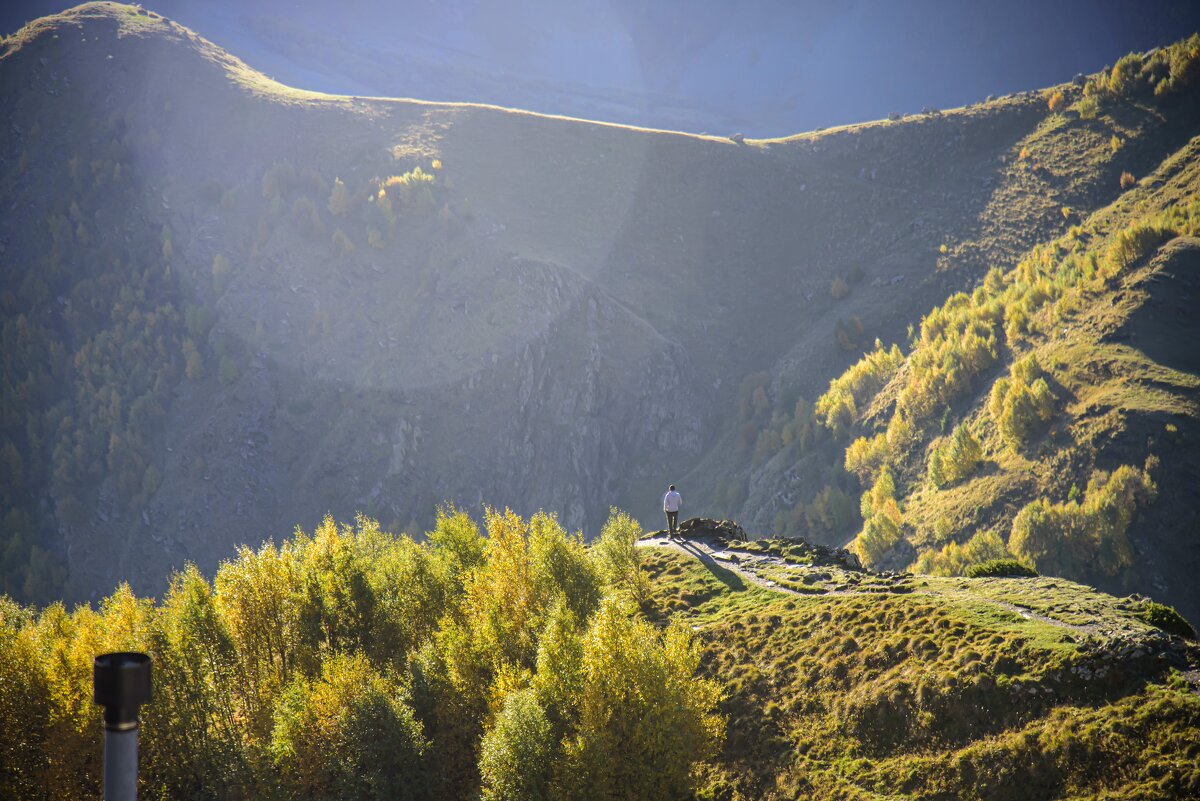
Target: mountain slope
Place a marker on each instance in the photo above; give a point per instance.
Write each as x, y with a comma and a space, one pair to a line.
1071, 321
237, 306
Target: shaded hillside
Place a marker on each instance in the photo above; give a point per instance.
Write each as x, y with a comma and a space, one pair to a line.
237, 306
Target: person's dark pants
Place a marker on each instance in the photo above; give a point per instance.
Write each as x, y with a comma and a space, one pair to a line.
672, 522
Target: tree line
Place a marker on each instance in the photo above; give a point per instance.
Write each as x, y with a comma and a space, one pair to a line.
505, 662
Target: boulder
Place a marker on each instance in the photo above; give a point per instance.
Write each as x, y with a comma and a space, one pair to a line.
703, 527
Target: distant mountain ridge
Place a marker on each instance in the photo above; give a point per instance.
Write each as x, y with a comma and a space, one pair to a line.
238, 306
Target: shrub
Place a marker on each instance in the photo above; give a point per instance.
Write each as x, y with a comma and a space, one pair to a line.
1089, 108
1022, 403
1002, 568
954, 559
1131, 245
839, 289
1087, 537
954, 458
866, 456
1166, 618
855, 388
1056, 101
1127, 180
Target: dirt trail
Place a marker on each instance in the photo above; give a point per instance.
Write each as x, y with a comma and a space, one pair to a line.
743, 564
722, 558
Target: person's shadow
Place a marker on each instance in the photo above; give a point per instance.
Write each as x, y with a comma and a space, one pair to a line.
723, 574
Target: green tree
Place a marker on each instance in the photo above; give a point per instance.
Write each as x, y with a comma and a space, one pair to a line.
618, 557
560, 675
563, 571
220, 272
1088, 537
339, 199
227, 369
342, 242
458, 543
258, 597
503, 608
954, 458
195, 362
349, 734
193, 737
25, 704
336, 601
518, 755
881, 520
645, 719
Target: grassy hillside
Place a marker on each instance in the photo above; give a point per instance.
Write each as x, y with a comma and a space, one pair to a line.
844, 684
231, 306
347, 663
1043, 415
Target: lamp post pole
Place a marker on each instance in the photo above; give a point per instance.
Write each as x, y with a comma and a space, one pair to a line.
121, 684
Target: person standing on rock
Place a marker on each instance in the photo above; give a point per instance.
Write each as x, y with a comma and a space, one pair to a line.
672, 502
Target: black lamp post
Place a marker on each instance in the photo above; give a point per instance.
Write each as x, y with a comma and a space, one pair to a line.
121, 684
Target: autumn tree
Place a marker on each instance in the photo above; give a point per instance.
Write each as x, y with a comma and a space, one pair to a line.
339, 199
